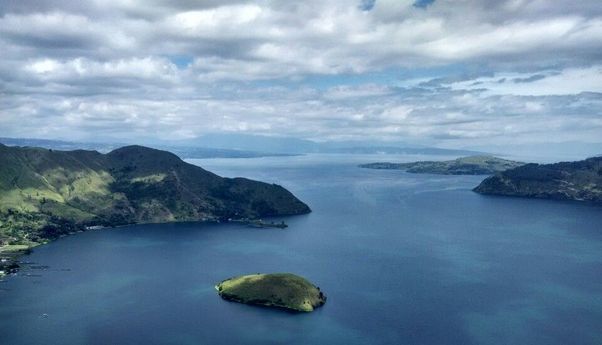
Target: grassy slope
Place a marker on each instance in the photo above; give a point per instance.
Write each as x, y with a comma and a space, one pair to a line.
44, 193
38, 189
282, 290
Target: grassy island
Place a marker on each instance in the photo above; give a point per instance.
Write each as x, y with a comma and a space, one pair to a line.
279, 290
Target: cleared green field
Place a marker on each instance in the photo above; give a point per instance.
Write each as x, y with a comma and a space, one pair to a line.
13, 248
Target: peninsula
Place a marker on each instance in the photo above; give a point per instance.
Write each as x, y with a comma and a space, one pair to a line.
472, 165
46, 193
579, 181
278, 290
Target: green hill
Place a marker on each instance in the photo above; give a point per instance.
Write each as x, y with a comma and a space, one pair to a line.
472, 165
280, 290
580, 181
46, 193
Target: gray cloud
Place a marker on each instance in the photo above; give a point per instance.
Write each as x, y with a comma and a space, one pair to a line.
532, 78
530, 70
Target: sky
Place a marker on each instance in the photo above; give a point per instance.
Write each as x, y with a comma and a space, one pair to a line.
458, 74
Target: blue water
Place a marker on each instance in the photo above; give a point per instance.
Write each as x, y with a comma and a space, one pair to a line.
403, 258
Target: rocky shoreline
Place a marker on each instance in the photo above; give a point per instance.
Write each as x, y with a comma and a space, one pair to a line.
10, 259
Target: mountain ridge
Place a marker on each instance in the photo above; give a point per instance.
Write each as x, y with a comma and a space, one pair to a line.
45, 192
250, 146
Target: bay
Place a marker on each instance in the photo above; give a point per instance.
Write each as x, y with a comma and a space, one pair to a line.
403, 258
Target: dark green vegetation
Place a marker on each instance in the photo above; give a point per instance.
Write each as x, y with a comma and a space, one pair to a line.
279, 290
472, 165
45, 194
581, 181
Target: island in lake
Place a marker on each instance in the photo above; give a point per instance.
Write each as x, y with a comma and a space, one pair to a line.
579, 181
47, 193
472, 165
278, 290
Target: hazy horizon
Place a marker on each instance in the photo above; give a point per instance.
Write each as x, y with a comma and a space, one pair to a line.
538, 153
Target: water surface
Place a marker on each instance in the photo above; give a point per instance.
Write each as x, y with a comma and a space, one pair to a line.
403, 258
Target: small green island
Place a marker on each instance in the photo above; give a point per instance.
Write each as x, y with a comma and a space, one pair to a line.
278, 290
472, 165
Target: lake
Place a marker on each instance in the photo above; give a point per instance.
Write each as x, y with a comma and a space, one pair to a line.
403, 259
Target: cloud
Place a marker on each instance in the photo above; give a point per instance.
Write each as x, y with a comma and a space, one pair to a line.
145, 68
442, 72
314, 37
530, 79
569, 81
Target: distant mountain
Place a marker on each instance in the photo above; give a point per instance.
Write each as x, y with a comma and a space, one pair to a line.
249, 146
581, 180
473, 165
247, 142
44, 193
547, 152
187, 152
401, 150
60, 144
288, 145
184, 152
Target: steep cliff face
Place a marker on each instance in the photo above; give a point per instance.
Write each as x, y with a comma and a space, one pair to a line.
45, 192
580, 181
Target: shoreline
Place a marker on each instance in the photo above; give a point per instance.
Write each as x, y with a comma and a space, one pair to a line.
10, 258
11, 254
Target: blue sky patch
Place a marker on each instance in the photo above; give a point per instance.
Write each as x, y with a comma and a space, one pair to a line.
367, 5
423, 3
182, 61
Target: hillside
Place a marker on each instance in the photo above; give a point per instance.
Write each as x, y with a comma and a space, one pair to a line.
45, 193
581, 181
472, 165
